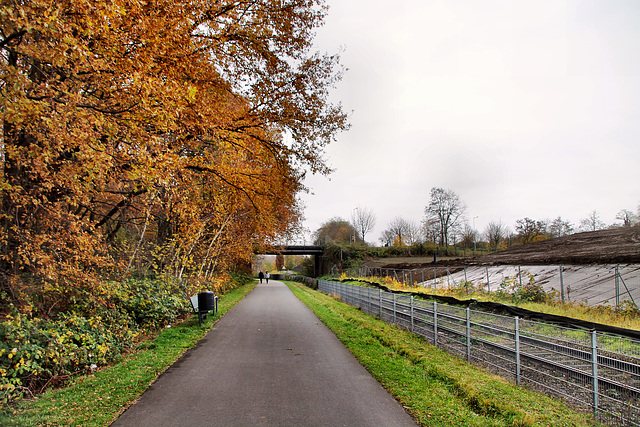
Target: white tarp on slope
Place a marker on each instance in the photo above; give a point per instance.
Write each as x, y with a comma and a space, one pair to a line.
592, 284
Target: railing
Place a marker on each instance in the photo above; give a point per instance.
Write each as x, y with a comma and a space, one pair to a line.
588, 369
590, 284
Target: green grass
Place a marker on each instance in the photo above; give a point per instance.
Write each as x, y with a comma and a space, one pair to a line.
98, 399
438, 389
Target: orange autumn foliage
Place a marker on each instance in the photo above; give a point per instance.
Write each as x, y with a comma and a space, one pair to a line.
154, 137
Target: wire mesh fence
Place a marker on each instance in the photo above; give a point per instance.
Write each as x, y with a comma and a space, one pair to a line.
591, 370
593, 285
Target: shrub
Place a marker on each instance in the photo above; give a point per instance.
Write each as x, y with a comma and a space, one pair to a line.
529, 291
36, 353
151, 303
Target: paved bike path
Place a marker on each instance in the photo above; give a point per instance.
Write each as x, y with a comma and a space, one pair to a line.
268, 362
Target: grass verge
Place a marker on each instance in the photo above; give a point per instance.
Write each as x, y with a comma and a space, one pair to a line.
99, 398
436, 388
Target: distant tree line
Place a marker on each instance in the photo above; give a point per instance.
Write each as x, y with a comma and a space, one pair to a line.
446, 223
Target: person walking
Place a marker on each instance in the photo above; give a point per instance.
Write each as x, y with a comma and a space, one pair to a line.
261, 276
266, 276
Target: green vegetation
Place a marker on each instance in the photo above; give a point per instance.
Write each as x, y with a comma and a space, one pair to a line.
98, 398
438, 389
530, 295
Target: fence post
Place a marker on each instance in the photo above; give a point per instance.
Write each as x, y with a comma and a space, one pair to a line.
468, 334
394, 308
617, 283
411, 313
520, 275
561, 285
594, 361
488, 283
435, 323
517, 350
466, 282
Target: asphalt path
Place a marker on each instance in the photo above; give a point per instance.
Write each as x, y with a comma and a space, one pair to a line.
268, 362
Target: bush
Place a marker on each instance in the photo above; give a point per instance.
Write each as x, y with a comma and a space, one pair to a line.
151, 303
36, 353
531, 292
528, 291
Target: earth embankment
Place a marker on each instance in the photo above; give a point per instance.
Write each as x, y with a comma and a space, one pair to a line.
613, 246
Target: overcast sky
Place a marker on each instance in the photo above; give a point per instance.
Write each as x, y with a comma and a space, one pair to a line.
524, 108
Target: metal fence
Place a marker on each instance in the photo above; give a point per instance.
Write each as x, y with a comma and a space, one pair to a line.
589, 284
590, 370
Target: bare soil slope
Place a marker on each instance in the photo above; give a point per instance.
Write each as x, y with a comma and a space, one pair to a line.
613, 246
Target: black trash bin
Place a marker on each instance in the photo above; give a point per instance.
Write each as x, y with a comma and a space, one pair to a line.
206, 302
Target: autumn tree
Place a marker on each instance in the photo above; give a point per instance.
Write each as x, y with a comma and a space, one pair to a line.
469, 236
446, 210
431, 230
170, 136
336, 230
386, 238
400, 232
559, 228
398, 228
363, 220
627, 217
530, 230
414, 233
592, 222
495, 232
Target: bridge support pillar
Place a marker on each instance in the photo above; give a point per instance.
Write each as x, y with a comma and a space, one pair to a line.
317, 265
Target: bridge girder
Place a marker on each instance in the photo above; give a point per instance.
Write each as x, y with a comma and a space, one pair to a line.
295, 250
